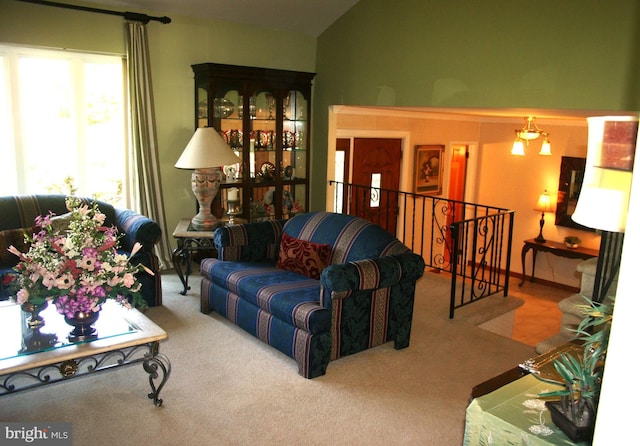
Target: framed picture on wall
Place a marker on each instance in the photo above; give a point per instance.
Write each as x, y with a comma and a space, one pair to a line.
428, 169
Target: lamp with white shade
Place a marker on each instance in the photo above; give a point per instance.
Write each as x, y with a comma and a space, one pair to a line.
544, 205
206, 153
604, 198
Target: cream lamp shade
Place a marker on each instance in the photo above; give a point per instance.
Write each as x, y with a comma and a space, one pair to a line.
544, 203
206, 149
604, 199
206, 153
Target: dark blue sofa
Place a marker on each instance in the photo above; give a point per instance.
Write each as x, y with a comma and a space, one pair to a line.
17, 217
362, 298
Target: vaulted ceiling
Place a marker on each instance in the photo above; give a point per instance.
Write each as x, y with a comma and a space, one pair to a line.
310, 17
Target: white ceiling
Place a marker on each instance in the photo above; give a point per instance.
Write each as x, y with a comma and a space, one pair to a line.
310, 17
543, 116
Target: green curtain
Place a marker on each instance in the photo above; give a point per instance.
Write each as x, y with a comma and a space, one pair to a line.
144, 166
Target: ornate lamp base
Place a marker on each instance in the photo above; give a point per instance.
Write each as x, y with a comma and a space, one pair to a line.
205, 184
540, 238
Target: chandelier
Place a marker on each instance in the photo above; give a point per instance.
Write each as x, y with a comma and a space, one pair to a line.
529, 132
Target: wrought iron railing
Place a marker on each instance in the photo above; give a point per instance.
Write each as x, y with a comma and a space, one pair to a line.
470, 241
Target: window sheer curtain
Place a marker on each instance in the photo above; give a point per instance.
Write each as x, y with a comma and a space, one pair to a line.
144, 163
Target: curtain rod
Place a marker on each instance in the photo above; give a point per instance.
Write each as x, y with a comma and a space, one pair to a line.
127, 15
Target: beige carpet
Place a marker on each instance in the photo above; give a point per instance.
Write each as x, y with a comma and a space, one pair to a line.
227, 388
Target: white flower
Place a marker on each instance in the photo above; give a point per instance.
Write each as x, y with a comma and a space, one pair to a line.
99, 217
540, 429
535, 404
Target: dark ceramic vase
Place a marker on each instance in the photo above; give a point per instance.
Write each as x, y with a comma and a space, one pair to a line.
35, 320
35, 341
82, 323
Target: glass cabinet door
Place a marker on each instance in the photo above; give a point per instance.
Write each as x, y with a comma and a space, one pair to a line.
262, 156
294, 138
202, 107
262, 143
227, 116
293, 199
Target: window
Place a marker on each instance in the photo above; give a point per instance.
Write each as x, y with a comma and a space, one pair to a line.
343, 147
62, 123
376, 181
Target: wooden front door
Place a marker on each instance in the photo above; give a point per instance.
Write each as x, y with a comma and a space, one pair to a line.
376, 163
457, 180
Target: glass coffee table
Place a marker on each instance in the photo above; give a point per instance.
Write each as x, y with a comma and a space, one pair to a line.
33, 357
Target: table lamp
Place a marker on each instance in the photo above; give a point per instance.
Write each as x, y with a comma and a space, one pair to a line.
606, 188
206, 153
604, 198
544, 205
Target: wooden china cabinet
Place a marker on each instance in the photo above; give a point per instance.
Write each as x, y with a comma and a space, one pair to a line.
263, 114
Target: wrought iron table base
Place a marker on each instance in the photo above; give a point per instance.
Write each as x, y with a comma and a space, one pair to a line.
156, 364
182, 255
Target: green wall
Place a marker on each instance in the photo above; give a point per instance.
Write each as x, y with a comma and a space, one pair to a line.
568, 54
174, 48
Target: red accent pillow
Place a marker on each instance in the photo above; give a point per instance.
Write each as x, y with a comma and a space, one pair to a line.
303, 257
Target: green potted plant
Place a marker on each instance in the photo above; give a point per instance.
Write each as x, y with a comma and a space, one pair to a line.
581, 375
572, 241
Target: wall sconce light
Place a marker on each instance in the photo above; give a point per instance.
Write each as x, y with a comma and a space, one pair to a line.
529, 132
544, 205
206, 153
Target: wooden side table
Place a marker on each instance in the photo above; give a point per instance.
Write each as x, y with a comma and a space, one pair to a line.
555, 248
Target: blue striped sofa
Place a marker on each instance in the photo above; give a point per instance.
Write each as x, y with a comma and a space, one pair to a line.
363, 297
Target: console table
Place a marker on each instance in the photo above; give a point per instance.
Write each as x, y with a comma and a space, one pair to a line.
555, 248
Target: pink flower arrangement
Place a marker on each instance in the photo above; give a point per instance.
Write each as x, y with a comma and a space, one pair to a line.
77, 268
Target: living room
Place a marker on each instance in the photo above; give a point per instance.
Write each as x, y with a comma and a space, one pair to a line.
573, 55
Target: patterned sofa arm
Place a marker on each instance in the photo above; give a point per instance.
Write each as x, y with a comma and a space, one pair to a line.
370, 274
250, 242
137, 228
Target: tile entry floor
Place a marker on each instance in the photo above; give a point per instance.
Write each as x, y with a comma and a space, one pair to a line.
539, 317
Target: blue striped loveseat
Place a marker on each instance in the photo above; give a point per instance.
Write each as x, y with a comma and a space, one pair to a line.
317, 287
